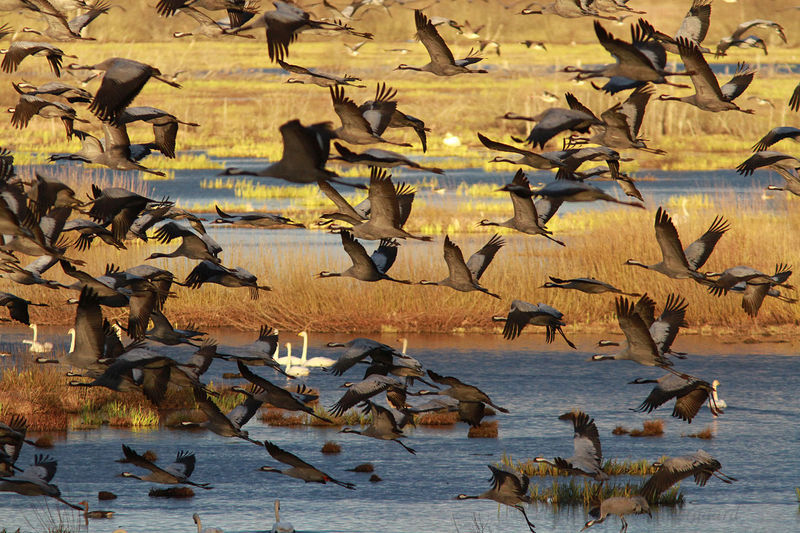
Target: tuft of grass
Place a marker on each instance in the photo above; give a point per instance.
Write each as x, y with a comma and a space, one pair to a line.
105, 495
651, 428
331, 448
436, 419
364, 468
172, 492
375, 478
487, 430
619, 430
707, 433
612, 467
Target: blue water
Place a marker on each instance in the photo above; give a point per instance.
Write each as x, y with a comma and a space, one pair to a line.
657, 186
755, 440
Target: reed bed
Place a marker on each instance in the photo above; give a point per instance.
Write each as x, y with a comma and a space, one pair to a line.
612, 467
598, 243
588, 493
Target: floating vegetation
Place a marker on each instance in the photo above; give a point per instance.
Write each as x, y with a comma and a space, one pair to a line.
707, 433
486, 430
375, 478
172, 492
105, 495
331, 448
436, 419
364, 468
651, 428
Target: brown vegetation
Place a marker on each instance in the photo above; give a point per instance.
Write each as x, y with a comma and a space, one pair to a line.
487, 430
330, 448
706, 433
651, 428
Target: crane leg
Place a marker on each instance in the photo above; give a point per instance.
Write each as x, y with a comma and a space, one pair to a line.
525, 515
624, 525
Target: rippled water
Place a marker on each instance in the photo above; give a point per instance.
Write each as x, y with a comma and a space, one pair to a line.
657, 186
756, 441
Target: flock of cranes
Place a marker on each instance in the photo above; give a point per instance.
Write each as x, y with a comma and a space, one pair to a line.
36, 215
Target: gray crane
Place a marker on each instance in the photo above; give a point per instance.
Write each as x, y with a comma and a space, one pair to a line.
367, 267
442, 62
115, 151
525, 219
620, 506
753, 284
464, 275
165, 126
61, 29
193, 245
122, 82
587, 285
693, 28
262, 220
119, 207
317, 78
647, 344
364, 390
508, 488
459, 390
737, 37
55, 88
278, 396
382, 426
362, 126
631, 62
524, 313
708, 95
386, 219
299, 468
689, 393
176, 473
305, 152
699, 465
35, 481
284, 24
678, 262
376, 157
587, 459
229, 425
542, 161
19, 50
17, 307
30, 105
776, 135
210, 272
359, 349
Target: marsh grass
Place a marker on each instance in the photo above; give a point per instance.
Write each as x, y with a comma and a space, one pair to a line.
588, 493
757, 237
651, 428
331, 448
612, 467
486, 430
706, 433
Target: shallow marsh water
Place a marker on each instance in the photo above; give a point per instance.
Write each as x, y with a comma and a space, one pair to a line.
755, 440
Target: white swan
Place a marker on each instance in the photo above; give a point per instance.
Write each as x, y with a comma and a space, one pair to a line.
71, 333
294, 371
717, 401
316, 362
38, 347
278, 526
404, 340
285, 359
196, 518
